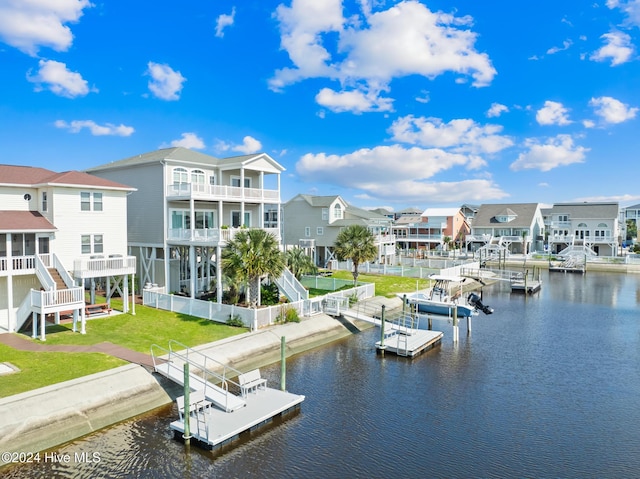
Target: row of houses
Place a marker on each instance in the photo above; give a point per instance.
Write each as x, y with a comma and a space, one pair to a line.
162, 218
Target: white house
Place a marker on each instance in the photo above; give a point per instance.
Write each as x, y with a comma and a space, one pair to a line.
186, 208
58, 230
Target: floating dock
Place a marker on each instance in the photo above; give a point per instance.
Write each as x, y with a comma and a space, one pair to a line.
409, 344
223, 402
527, 287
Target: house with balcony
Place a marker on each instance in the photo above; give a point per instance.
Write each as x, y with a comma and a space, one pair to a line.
187, 206
314, 222
594, 227
628, 214
512, 227
429, 230
58, 233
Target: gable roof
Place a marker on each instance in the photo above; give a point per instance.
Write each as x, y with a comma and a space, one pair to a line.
319, 201
12, 221
586, 210
14, 175
486, 216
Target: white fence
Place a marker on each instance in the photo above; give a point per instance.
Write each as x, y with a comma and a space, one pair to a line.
252, 318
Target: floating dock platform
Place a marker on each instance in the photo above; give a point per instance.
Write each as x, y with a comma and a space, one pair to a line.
409, 343
527, 287
213, 428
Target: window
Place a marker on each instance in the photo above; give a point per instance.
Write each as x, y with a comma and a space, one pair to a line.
212, 180
320, 231
235, 219
85, 201
337, 212
197, 180
92, 244
180, 175
271, 217
97, 202
98, 245
45, 204
325, 214
307, 231
235, 181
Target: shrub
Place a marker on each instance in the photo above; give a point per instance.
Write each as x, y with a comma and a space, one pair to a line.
288, 314
235, 320
269, 294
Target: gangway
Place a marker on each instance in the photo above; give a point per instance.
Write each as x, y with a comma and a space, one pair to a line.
206, 374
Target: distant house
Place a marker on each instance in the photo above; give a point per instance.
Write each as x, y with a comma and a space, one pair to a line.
188, 206
314, 222
594, 226
516, 227
58, 230
630, 213
430, 229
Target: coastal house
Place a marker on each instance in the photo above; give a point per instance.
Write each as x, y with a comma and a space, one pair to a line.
512, 227
314, 222
630, 213
591, 226
187, 206
430, 229
58, 232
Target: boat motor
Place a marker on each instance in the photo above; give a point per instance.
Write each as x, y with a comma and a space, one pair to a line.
474, 300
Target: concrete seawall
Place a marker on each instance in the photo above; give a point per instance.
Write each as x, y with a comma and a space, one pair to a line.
47, 417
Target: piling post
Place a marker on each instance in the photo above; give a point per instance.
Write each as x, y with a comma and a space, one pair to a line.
283, 364
187, 406
469, 325
455, 324
382, 346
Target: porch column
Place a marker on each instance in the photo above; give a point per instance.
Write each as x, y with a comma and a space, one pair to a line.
133, 294
192, 270
218, 274
125, 294
242, 202
13, 320
42, 327
192, 212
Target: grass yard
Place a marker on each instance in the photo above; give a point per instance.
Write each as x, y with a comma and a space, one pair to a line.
139, 332
386, 286
39, 369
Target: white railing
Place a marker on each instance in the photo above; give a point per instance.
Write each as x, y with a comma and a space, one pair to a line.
210, 235
114, 265
254, 318
419, 236
221, 192
291, 287
22, 314
43, 275
46, 301
64, 274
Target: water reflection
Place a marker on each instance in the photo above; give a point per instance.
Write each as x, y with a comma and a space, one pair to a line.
547, 386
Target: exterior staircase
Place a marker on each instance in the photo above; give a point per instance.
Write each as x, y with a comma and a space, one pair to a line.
57, 278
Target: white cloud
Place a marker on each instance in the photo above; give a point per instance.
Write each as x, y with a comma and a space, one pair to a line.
557, 151
588, 123
224, 21
565, 46
355, 101
189, 140
29, 25
397, 173
629, 7
248, 146
108, 129
424, 43
553, 113
461, 135
55, 76
165, 82
612, 110
496, 110
617, 48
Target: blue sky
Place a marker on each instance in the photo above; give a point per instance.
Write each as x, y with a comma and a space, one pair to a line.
387, 103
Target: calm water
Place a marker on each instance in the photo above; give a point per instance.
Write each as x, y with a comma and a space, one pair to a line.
547, 386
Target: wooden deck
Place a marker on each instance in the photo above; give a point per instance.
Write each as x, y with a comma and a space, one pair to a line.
215, 428
410, 345
528, 287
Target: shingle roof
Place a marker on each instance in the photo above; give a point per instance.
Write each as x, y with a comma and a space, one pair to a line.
12, 221
586, 210
177, 153
34, 176
486, 216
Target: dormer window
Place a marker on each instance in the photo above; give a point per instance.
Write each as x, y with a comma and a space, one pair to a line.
506, 216
337, 212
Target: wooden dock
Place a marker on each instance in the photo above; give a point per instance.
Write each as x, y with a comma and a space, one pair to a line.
409, 344
213, 428
527, 287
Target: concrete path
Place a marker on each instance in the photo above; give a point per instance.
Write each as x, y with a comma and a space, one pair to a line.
17, 341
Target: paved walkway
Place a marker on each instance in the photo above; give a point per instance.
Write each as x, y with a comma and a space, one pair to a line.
16, 341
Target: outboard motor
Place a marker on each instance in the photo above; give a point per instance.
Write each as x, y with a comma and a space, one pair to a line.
474, 300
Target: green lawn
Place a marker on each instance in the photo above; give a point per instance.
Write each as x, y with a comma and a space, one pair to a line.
139, 332
386, 286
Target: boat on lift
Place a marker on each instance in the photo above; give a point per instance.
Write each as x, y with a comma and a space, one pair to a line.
445, 295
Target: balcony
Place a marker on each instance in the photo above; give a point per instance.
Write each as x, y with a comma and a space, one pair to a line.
186, 191
429, 238
17, 265
114, 265
209, 236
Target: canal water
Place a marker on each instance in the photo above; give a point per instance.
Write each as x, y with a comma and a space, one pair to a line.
546, 387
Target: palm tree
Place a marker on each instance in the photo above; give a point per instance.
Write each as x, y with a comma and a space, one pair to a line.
299, 263
356, 243
252, 255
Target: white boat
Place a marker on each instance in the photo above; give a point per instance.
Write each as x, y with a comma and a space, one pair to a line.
445, 295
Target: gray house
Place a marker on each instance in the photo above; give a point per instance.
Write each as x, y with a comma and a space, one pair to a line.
516, 227
314, 222
187, 206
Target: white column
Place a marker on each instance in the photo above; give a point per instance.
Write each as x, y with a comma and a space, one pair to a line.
192, 269
12, 316
219, 274
125, 293
42, 327
133, 294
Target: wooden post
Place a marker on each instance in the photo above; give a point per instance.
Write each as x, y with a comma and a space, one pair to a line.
455, 324
382, 346
283, 365
468, 325
187, 406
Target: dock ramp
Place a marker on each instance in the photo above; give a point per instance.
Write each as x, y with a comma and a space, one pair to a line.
205, 374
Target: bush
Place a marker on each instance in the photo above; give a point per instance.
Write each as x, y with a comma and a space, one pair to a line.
235, 321
269, 294
288, 314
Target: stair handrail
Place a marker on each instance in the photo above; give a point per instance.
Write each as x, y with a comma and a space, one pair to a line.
291, 287
45, 278
64, 274
22, 312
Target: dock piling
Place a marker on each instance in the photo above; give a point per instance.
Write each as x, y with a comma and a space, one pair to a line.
187, 406
283, 364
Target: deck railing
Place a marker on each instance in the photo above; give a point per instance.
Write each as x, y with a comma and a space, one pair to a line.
210, 235
114, 265
221, 192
